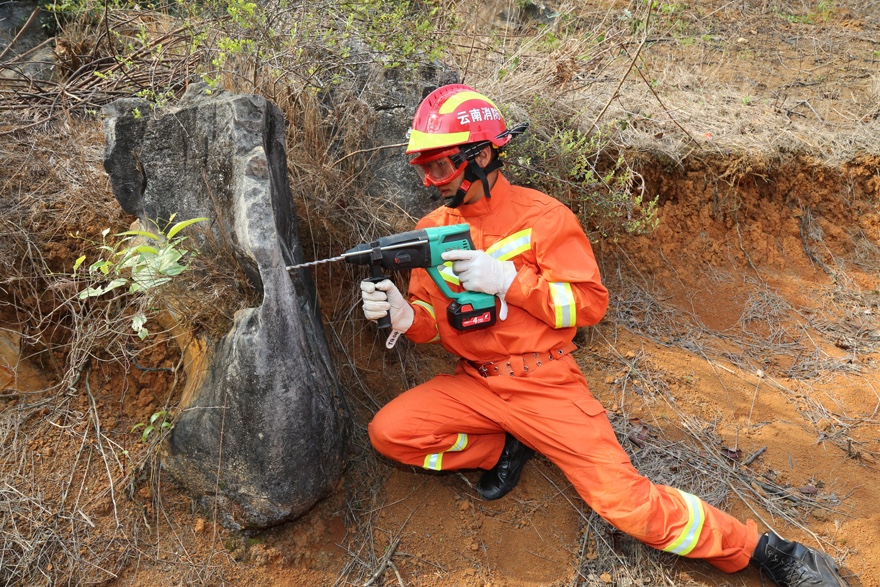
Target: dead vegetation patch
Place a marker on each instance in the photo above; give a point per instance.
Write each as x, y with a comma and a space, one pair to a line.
726, 146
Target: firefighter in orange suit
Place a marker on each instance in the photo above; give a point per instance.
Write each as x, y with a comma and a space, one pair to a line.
517, 388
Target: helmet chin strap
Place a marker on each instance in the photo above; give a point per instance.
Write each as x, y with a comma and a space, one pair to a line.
472, 173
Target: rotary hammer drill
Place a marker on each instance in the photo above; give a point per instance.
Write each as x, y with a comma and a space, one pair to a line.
468, 310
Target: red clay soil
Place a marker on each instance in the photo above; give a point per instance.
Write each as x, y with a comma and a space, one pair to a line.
808, 397
748, 319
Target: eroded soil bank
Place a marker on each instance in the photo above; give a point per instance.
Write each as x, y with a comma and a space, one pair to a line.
743, 329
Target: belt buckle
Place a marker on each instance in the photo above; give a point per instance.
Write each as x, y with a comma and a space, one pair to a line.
484, 369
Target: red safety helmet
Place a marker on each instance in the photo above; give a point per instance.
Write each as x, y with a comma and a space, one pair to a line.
451, 126
453, 115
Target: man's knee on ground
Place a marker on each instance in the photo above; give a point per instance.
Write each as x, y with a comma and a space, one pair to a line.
385, 434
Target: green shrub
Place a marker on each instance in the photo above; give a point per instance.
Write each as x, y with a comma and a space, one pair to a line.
588, 173
141, 267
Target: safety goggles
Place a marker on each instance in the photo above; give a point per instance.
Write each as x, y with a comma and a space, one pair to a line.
439, 167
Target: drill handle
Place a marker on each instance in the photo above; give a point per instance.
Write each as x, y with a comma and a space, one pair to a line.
376, 275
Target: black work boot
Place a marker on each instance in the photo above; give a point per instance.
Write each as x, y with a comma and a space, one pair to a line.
500, 479
791, 564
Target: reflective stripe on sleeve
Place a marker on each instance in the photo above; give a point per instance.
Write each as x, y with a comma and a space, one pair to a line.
511, 246
446, 273
434, 462
563, 302
426, 306
430, 310
689, 537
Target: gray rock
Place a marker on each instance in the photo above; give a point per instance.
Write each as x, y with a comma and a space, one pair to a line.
391, 96
263, 435
528, 12
29, 56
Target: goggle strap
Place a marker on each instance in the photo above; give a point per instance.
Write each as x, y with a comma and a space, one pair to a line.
513, 132
469, 152
475, 172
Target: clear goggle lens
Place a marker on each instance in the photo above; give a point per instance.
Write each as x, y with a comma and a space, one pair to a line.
437, 168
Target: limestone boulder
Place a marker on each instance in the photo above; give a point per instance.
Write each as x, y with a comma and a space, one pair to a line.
261, 434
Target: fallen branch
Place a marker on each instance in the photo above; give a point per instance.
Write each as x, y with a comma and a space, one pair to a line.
754, 455
379, 148
384, 563
32, 50
21, 33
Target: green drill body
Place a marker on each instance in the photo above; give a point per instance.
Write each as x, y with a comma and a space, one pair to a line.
469, 310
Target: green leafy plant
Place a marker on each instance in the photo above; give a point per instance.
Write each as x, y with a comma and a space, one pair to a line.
159, 422
141, 262
314, 41
823, 12
583, 170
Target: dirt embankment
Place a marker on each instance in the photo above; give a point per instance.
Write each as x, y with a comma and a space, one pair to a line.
745, 325
739, 358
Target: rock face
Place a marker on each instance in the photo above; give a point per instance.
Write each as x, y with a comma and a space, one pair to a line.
392, 96
263, 432
23, 46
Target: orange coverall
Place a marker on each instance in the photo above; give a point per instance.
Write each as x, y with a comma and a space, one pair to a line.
517, 376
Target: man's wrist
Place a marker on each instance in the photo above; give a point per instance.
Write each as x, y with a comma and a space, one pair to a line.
403, 319
508, 274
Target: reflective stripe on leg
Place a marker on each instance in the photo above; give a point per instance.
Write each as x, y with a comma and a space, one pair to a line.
690, 536
434, 462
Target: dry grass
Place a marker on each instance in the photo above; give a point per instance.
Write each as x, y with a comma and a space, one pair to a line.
719, 101
146, 52
71, 470
589, 72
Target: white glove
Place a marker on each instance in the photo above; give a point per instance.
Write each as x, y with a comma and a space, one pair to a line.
479, 271
384, 297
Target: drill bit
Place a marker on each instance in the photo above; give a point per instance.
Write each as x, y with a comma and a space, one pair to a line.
352, 254
313, 263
